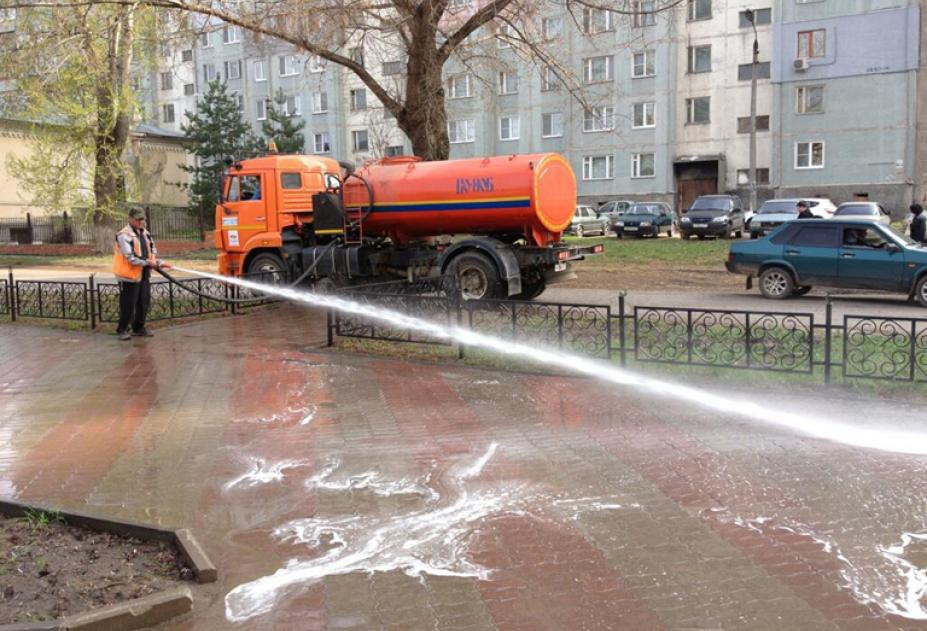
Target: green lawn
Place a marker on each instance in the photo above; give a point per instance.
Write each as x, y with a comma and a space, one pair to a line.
94, 260
662, 250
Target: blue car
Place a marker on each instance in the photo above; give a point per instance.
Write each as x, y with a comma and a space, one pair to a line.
844, 253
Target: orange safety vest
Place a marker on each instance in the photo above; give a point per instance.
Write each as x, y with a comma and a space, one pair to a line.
122, 269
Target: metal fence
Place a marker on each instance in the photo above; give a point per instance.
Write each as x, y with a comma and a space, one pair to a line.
858, 347
164, 222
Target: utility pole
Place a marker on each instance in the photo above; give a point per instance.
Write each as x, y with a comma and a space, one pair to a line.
750, 17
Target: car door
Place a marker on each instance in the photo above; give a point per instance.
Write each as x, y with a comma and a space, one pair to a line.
812, 252
865, 260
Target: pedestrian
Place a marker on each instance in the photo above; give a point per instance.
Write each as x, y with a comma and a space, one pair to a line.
134, 254
803, 211
918, 223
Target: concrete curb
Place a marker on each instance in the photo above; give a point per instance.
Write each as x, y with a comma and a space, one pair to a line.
131, 614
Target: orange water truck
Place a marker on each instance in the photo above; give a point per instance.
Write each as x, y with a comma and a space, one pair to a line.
495, 222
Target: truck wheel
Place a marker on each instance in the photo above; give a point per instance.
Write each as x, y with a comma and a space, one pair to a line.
477, 276
776, 283
267, 267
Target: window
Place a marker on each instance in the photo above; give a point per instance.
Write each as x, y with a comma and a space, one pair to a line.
761, 17
167, 113
239, 101
811, 43
642, 165
320, 143
391, 68
461, 131
205, 39
597, 69
231, 34
233, 69
598, 167
743, 124
809, 155
261, 109
359, 140
508, 128
597, 20
395, 150
642, 64
743, 176
319, 102
506, 34
643, 13
815, 237
699, 10
291, 106
698, 110
550, 82
599, 118
458, 87
552, 124
259, 74
316, 64
809, 99
508, 83
699, 59
167, 81
745, 71
552, 27
863, 238
643, 116
287, 65
210, 73
244, 188
357, 55
359, 99
186, 55
290, 181
189, 89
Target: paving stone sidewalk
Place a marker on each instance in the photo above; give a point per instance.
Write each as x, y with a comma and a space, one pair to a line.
337, 491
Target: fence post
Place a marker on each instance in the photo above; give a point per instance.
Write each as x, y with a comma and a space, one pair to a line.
93, 312
29, 227
12, 298
621, 344
828, 331
329, 327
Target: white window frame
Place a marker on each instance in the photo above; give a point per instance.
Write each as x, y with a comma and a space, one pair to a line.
556, 130
690, 111
550, 82
209, 77
453, 83
319, 140
454, 131
692, 62
286, 66
598, 119
206, 39
589, 67
506, 82
316, 64
168, 107
644, 107
512, 129
647, 55
167, 81
297, 106
692, 11
356, 136
801, 99
356, 96
589, 167
505, 33
643, 13
231, 34
597, 21
320, 102
810, 144
233, 69
637, 162
261, 110
259, 71
551, 33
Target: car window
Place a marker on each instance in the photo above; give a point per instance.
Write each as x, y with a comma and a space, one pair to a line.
860, 237
772, 207
854, 210
784, 234
815, 237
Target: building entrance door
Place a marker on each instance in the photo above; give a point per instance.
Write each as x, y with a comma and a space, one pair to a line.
694, 178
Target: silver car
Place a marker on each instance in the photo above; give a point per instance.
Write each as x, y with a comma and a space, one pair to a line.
586, 222
870, 210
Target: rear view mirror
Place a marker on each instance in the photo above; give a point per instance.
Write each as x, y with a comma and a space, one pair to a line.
892, 247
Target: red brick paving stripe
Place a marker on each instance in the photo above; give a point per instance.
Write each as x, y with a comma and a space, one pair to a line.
683, 470
545, 575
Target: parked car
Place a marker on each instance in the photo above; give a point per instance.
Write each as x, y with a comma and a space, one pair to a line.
774, 212
585, 222
840, 252
870, 210
713, 215
646, 219
611, 211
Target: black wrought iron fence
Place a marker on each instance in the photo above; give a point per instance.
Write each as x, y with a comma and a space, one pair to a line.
6, 298
164, 222
885, 348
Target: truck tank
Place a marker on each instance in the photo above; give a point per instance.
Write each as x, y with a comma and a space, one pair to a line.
533, 194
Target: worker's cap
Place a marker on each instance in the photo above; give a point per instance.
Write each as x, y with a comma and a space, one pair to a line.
137, 213
802, 204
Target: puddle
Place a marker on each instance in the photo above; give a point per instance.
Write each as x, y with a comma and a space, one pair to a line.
263, 472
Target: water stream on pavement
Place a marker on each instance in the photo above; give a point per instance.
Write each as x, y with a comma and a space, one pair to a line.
432, 538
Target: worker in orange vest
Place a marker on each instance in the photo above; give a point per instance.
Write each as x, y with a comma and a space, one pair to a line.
134, 254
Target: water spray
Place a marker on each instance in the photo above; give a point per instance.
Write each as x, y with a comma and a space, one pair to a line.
880, 439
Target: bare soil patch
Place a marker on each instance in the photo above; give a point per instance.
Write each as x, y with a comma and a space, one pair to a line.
49, 569
654, 277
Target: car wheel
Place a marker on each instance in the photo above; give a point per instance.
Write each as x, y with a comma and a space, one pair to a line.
686, 237
669, 232
580, 231
700, 237
920, 291
801, 290
776, 283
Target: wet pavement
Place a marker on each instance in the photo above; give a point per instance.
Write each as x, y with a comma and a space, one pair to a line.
338, 491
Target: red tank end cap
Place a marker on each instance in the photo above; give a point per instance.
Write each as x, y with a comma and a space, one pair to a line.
555, 193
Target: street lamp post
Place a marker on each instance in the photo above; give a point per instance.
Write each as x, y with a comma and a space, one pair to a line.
750, 17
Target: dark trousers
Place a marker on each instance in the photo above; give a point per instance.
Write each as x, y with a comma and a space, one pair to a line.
133, 305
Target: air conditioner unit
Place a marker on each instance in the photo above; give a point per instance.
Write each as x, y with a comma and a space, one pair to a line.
800, 64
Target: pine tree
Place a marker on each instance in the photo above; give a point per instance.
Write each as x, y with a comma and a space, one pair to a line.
215, 132
282, 128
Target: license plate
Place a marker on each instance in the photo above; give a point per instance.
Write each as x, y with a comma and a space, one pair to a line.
630, 229
559, 267
701, 225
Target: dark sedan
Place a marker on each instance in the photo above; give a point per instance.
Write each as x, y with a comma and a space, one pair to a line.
846, 253
645, 220
713, 216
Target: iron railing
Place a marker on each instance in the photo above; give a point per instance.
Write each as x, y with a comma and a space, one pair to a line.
164, 222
